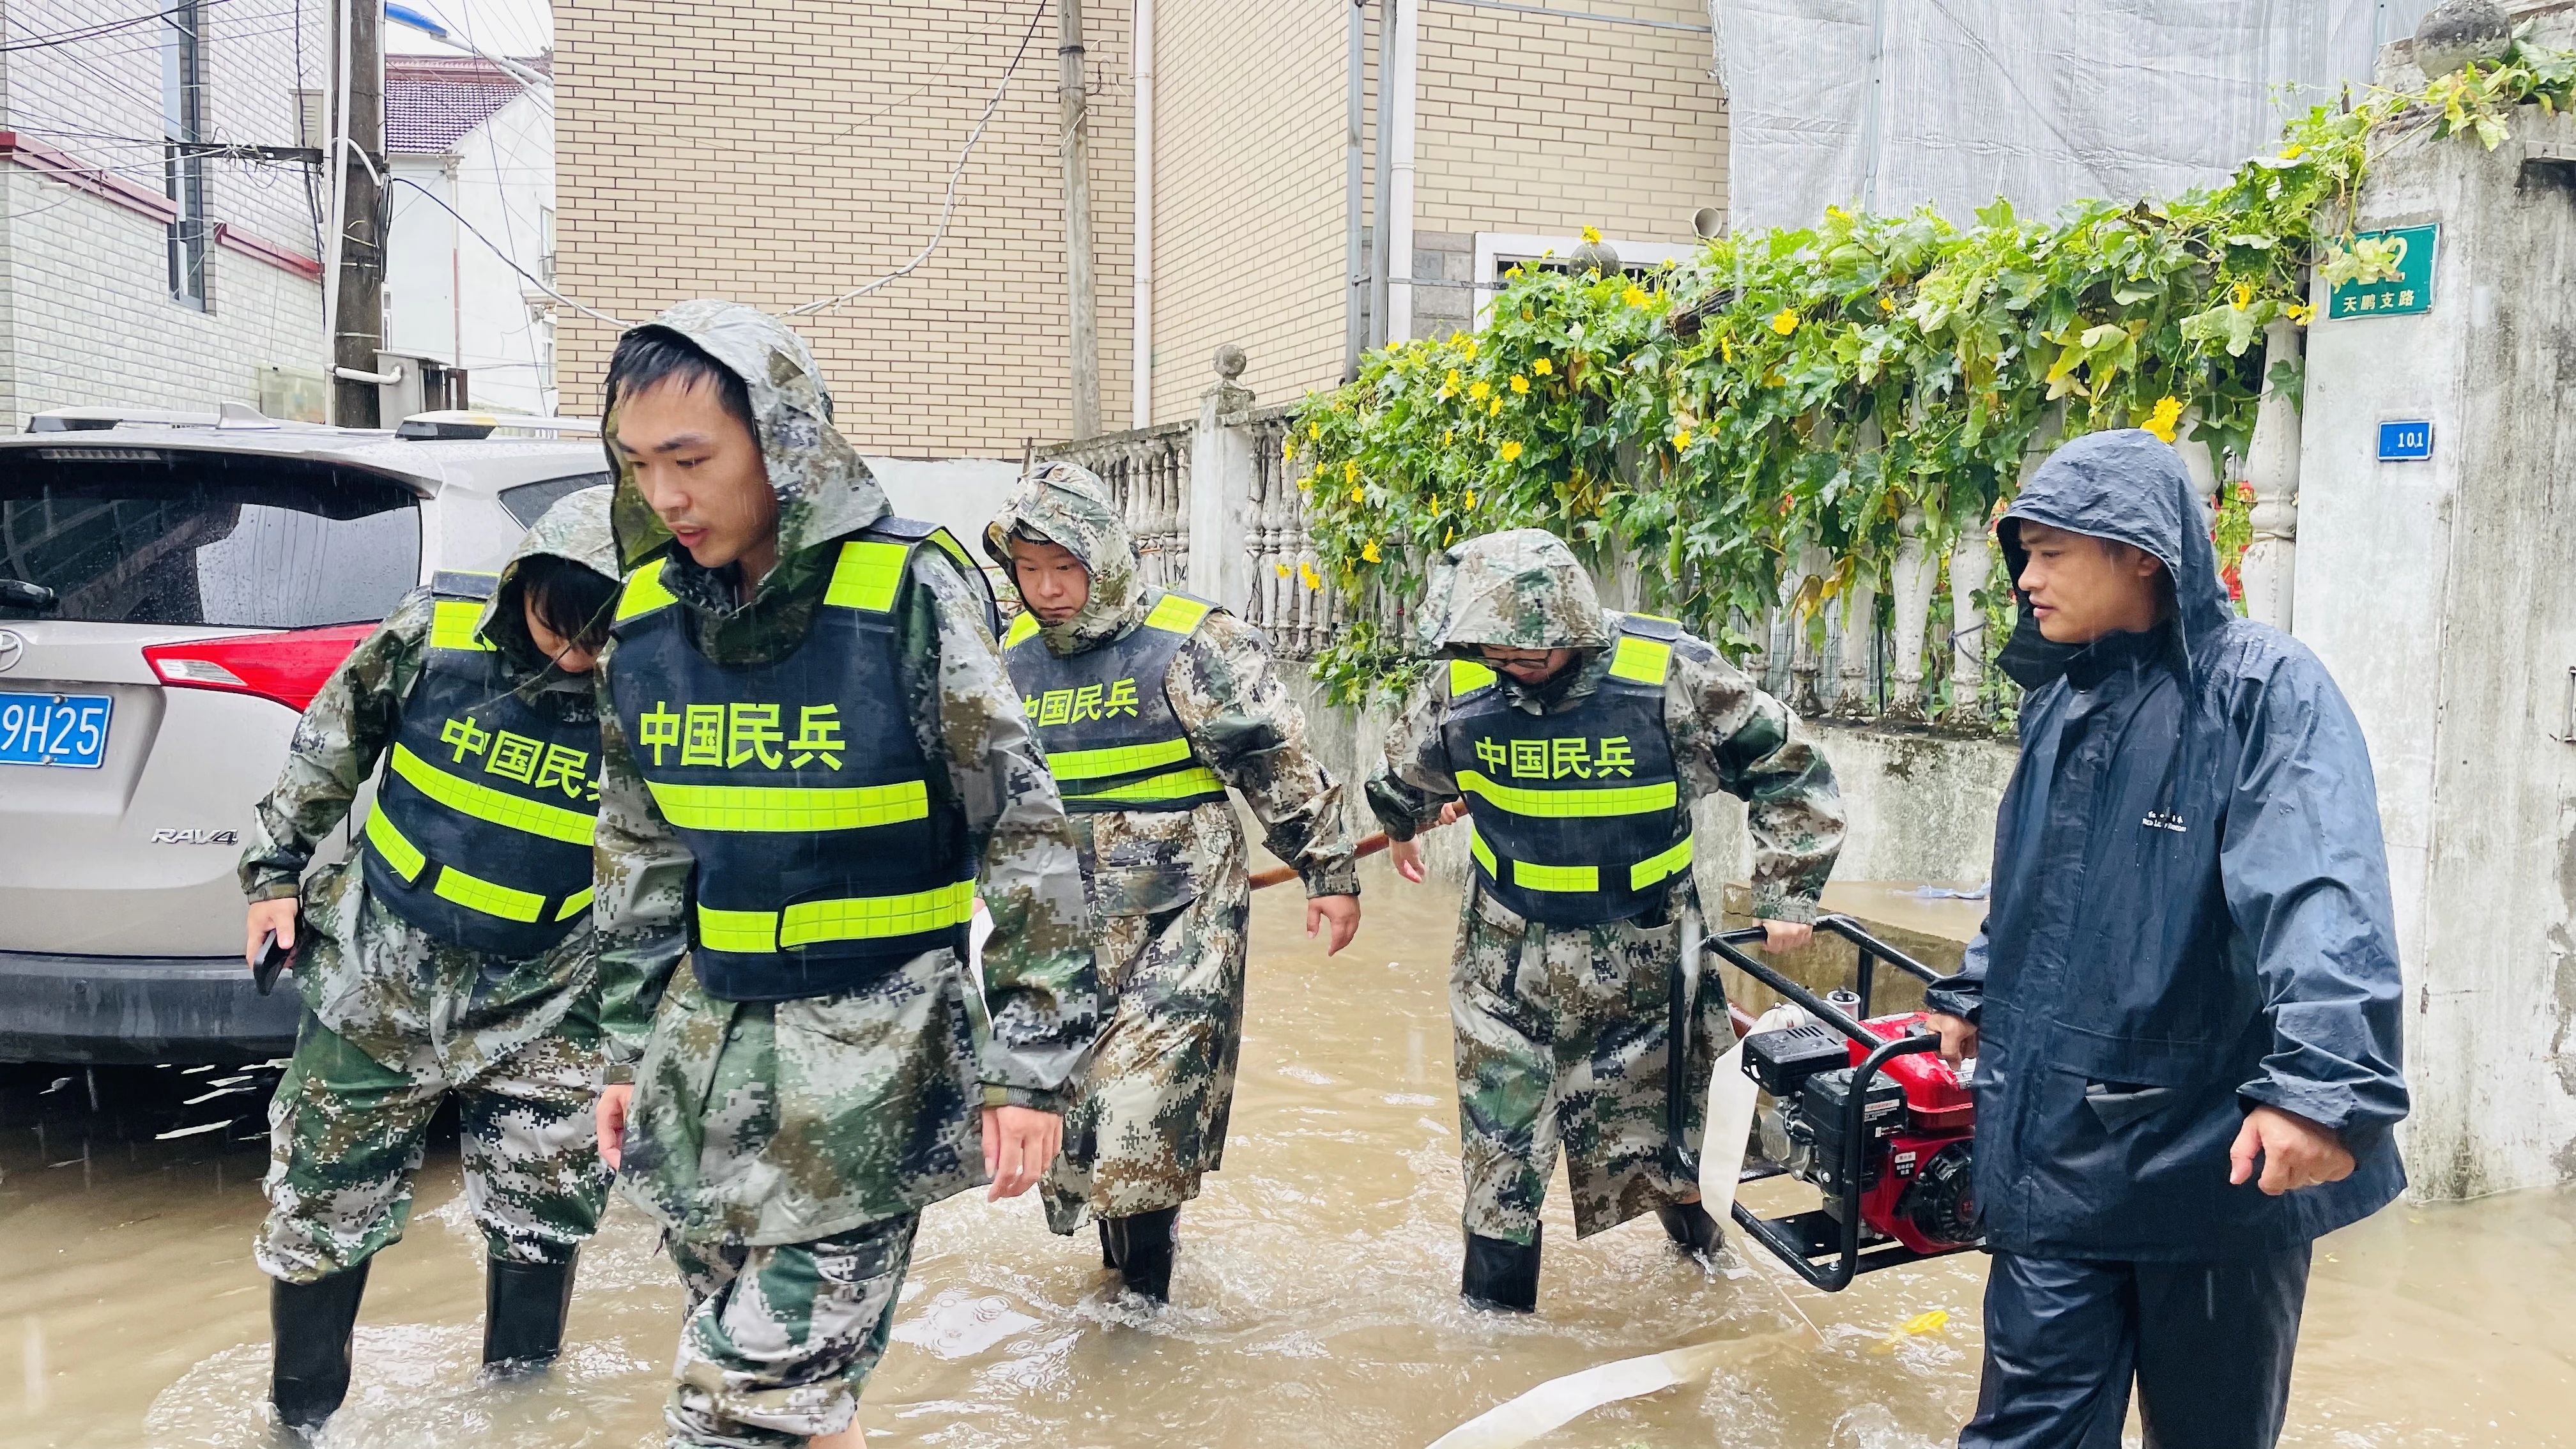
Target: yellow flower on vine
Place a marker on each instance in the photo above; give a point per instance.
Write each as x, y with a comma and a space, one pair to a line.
1886, 304
1282, 568
1635, 296
1448, 436
2299, 312
1359, 495
1786, 322
1351, 471
1451, 381
1368, 551
1682, 438
1511, 450
1314, 432
2165, 419
1592, 236
1306, 571
1520, 384
1471, 500
1497, 408
1467, 347
2244, 295
1726, 348
1543, 367
1288, 449
2293, 152
1480, 390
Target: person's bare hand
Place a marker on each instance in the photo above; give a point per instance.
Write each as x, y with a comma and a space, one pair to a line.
1958, 1035
1407, 856
1019, 1143
2296, 1152
1786, 935
615, 1102
266, 916
1344, 914
1451, 813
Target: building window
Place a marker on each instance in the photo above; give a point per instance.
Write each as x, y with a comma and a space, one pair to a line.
183, 169
1498, 252
546, 243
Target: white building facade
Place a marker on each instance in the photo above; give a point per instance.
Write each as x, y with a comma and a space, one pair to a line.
141, 261
471, 150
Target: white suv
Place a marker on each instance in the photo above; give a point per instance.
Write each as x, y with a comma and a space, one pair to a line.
174, 588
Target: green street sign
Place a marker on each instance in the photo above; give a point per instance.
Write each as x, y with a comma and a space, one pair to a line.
2411, 290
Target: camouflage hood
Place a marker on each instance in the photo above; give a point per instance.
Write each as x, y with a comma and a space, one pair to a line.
576, 529
1069, 506
824, 491
1519, 590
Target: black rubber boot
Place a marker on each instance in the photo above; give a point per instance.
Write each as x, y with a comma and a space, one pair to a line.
312, 1324
1501, 1274
1144, 1246
1108, 1250
523, 1311
1690, 1225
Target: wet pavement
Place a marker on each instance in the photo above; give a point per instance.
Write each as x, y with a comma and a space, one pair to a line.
1315, 1295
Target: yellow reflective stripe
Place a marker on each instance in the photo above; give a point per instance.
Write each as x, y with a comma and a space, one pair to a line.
1655, 868
1467, 676
492, 806
948, 542
476, 894
876, 917
867, 576
644, 592
859, 918
789, 808
451, 625
1178, 614
1583, 879
1123, 760
574, 904
1178, 785
1576, 804
389, 842
1024, 627
749, 932
1484, 853
1644, 660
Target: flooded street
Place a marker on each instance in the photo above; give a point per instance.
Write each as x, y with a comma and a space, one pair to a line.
1315, 1299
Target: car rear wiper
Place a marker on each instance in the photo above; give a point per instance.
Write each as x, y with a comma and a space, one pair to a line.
19, 594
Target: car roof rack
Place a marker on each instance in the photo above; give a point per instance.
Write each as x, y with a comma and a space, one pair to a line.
457, 423
231, 417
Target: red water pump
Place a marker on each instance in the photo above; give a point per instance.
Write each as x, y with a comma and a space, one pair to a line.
1866, 1110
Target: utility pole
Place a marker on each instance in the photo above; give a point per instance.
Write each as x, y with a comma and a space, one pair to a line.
358, 307
1077, 222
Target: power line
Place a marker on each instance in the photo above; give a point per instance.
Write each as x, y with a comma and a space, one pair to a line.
506, 259
37, 40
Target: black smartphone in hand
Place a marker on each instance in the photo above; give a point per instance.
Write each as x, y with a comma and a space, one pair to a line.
272, 959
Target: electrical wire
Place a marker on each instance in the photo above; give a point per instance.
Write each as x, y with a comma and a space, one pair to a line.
948, 200
506, 259
37, 40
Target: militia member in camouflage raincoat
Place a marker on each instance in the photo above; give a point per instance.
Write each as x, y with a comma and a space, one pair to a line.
1580, 739
814, 760
453, 953
1150, 703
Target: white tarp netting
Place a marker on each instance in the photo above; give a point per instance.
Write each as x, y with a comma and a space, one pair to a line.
1890, 104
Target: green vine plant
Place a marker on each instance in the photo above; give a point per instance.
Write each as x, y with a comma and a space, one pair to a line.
1814, 387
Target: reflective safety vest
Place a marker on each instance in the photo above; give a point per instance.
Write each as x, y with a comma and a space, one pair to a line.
824, 852
1578, 818
1111, 738
481, 831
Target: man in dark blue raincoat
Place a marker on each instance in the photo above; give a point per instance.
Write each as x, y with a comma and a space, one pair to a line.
2185, 1001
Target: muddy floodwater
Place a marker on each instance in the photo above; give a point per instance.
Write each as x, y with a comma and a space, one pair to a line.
1315, 1299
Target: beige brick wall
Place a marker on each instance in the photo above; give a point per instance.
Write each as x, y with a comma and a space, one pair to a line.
1249, 170
1536, 124
774, 151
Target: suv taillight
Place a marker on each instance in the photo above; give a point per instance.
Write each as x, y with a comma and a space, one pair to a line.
289, 668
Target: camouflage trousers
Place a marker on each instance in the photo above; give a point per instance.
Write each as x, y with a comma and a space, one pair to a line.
779, 1340
1147, 1114
1562, 1035
345, 1138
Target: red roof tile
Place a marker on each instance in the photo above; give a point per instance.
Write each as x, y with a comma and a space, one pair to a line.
434, 101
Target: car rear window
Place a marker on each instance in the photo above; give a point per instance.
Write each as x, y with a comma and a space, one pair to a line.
529, 501
166, 536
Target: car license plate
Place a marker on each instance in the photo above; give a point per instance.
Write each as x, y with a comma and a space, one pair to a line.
54, 729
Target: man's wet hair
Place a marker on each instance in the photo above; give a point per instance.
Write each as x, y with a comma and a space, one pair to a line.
648, 357
569, 599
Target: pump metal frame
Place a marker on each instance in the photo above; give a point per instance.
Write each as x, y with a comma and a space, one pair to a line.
1803, 1239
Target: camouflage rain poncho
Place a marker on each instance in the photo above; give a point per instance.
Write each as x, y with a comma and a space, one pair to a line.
1150, 1117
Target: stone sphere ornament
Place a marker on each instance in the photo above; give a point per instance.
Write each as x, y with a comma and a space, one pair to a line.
2461, 32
